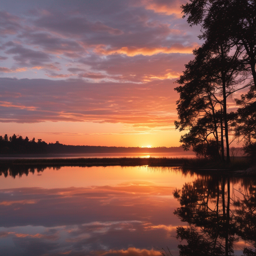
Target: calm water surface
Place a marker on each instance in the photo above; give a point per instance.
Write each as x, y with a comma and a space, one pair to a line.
184, 154
124, 211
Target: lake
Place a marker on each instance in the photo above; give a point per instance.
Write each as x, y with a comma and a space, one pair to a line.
184, 154
128, 211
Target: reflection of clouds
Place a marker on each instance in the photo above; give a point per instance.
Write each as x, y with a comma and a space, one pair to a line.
104, 227
95, 238
127, 219
119, 235
165, 227
33, 246
29, 242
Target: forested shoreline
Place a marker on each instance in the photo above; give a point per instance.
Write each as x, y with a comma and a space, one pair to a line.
19, 145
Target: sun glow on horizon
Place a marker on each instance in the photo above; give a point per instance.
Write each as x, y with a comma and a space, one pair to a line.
148, 146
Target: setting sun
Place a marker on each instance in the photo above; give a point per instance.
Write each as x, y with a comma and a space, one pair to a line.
149, 146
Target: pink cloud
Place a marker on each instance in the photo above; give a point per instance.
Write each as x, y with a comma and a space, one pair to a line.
167, 7
8, 203
7, 104
132, 252
146, 51
145, 105
9, 24
8, 70
117, 64
138, 69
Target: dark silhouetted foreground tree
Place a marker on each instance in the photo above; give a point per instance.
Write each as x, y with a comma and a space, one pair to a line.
231, 23
223, 65
246, 122
206, 84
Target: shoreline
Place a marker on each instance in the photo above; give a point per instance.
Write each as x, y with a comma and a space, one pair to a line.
83, 162
240, 166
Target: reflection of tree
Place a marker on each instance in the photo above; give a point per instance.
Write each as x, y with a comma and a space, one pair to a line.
205, 205
197, 244
246, 217
19, 170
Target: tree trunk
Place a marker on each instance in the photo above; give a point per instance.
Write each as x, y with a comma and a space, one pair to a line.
226, 122
215, 123
227, 218
222, 137
223, 78
250, 52
223, 197
218, 194
253, 72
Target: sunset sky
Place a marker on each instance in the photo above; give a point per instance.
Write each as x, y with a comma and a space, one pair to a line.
93, 72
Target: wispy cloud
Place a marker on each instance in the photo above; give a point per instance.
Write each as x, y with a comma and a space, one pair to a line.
78, 62
45, 100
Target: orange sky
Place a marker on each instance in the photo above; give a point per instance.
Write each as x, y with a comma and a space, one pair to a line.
93, 72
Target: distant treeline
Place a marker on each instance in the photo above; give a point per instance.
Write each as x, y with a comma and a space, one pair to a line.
19, 145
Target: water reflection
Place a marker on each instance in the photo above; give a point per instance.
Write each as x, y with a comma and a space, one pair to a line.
124, 211
19, 170
221, 220
88, 211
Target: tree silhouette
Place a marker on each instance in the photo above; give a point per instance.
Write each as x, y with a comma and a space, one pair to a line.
231, 23
229, 31
206, 84
246, 122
